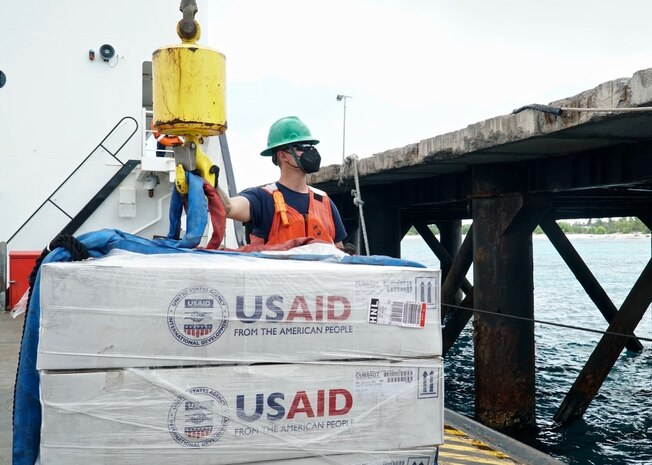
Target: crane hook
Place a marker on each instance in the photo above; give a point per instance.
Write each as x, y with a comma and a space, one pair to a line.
188, 28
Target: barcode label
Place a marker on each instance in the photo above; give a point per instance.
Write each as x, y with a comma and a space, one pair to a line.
411, 314
398, 313
399, 376
386, 382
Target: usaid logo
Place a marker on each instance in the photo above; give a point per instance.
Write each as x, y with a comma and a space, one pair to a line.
255, 308
198, 316
331, 403
198, 303
198, 418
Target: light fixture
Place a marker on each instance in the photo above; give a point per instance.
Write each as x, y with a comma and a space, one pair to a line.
340, 98
151, 181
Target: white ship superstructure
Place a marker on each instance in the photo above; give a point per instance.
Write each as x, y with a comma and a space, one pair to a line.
75, 117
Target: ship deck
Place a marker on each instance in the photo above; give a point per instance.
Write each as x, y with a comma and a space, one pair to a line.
469, 442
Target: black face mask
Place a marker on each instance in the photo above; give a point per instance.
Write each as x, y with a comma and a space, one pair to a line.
309, 161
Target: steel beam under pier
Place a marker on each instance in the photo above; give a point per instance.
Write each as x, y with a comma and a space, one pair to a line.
606, 353
459, 317
452, 284
503, 283
383, 221
584, 276
450, 233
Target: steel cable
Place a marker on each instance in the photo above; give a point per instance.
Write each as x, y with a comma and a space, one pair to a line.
551, 323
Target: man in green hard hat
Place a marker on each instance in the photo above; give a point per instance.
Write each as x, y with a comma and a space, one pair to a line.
289, 208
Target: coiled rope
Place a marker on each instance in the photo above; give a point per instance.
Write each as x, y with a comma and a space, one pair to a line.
77, 250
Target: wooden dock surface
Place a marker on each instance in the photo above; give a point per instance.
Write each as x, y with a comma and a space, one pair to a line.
468, 442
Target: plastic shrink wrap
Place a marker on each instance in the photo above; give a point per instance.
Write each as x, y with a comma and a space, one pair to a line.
241, 414
132, 310
423, 456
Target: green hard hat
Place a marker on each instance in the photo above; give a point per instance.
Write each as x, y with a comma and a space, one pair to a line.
286, 131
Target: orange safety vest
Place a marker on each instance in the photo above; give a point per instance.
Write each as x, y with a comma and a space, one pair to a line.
288, 223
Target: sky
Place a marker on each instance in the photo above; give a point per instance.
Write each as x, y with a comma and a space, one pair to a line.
415, 69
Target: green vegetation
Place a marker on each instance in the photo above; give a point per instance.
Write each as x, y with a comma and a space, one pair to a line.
626, 225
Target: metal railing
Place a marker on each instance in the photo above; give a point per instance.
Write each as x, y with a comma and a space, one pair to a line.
100, 147
147, 132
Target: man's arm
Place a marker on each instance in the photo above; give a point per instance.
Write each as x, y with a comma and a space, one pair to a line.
237, 208
240, 210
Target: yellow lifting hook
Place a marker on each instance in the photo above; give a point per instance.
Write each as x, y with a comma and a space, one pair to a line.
189, 89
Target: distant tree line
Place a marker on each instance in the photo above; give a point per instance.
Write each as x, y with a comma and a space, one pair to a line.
625, 225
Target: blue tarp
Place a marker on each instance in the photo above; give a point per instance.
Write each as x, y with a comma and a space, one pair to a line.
27, 406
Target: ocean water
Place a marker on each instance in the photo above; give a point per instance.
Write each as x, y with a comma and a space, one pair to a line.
617, 426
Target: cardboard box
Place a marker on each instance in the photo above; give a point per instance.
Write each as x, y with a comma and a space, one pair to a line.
424, 456
130, 310
240, 414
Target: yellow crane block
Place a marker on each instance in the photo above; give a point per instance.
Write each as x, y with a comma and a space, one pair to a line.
189, 93
189, 89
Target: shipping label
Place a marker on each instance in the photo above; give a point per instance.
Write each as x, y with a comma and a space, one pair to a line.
400, 302
384, 382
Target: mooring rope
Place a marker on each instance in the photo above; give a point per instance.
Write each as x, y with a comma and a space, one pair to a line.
543, 322
357, 200
352, 160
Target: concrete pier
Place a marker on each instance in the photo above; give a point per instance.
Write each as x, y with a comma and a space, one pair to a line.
528, 135
508, 175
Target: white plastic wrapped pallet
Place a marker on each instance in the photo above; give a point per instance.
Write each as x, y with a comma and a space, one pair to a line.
240, 414
131, 310
423, 456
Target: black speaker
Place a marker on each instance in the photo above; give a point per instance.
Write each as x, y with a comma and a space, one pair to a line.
107, 52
